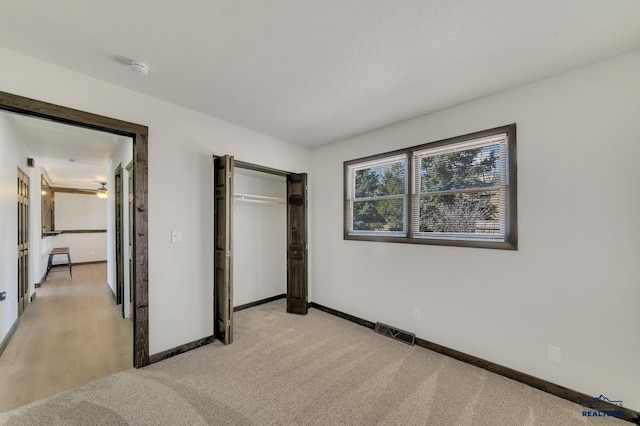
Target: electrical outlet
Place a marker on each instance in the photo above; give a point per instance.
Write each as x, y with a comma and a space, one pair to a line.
554, 354
417, 314
176, 236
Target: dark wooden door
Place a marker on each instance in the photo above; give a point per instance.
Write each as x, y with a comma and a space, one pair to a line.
130, 248
297, 243
223, 249
23, 241
119, 240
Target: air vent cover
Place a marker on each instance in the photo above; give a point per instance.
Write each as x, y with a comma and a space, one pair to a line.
396, 333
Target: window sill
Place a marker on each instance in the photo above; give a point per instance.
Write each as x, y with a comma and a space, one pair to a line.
499, 245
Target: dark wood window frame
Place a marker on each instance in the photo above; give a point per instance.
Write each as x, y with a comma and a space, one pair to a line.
140, 135
511, 230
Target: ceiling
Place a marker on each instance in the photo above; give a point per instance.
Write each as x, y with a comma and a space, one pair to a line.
314, 72
53, 145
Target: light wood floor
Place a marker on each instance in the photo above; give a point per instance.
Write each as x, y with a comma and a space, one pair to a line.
71, 334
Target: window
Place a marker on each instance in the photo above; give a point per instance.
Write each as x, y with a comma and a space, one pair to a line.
378, 205
460, 191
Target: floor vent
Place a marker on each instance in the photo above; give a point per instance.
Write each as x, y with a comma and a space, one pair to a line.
396, 333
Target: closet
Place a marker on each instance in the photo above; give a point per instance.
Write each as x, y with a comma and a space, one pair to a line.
260, 240
260, 236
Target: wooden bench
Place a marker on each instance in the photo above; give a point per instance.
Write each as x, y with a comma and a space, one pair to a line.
58, 251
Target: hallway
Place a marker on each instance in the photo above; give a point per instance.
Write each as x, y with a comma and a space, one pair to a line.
71, 334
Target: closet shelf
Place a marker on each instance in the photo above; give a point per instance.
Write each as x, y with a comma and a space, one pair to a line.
250, 198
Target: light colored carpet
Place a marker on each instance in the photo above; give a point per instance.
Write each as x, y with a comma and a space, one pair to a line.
291, 370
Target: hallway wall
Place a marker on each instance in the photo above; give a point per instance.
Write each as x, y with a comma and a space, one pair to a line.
14, 154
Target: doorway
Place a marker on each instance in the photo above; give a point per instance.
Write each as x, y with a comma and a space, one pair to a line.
23, 241
139, 134
296, 241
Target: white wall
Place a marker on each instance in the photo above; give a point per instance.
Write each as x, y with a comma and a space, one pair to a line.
14, 154
39, 247
259, 238
573, 283
79, 212
85, 247
45, 246
181, 143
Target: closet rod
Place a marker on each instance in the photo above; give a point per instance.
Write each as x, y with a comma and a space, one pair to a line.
260, 199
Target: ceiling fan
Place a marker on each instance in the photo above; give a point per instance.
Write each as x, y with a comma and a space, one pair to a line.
102, 191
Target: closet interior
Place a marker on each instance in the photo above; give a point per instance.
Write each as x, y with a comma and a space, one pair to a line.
259, 236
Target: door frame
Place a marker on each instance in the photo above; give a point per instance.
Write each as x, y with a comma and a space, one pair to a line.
140, 135
130, 240
117, 179
282, 173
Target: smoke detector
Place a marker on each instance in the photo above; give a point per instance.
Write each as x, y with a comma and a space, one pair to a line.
139, 68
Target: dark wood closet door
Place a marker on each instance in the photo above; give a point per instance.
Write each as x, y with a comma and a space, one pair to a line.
23, 241
223, 246
130, 255
297, 243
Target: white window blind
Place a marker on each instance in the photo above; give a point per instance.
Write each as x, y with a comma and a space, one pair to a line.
377, 197
460, 190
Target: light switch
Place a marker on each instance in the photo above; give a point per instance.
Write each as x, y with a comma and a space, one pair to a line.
176, 236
